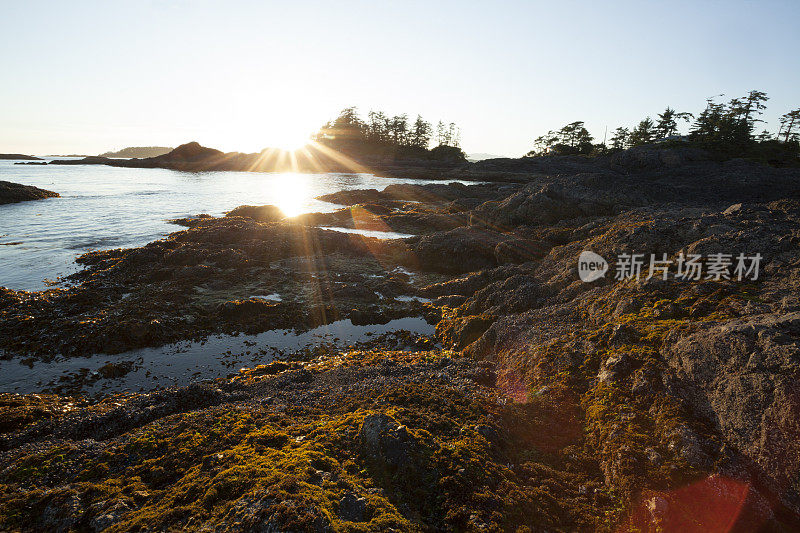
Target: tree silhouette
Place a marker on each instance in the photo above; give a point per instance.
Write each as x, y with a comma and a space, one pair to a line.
725, 129
619, 138
421, 133
790, 126
385, 136
643, 133
667, 124
573, 138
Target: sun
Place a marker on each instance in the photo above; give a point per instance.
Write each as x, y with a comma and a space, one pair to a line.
290, 192
290, 142
289, 138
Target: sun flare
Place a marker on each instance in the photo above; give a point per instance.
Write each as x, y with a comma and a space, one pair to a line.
291, 143
290, 193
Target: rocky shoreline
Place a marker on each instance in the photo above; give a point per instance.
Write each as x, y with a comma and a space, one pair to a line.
14, 192
541, 402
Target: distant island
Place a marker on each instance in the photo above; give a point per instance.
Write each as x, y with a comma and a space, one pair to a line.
345, 144
20, 156
139, 151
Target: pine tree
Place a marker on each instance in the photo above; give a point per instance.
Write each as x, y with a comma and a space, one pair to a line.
667, 124
619, 138
643, 133
421, 133
790, 126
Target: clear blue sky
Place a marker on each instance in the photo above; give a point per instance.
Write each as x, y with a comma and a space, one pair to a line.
85, 77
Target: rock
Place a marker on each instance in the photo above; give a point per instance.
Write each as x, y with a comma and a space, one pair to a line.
623, 334
352, 508
115, 370
20, 157
643, 158
259, 213
741, 374
451, 300
191, 221
386, 441
669, 310
540, 204
732, 210
14, 192
270, 369
616, 367
520, 251
247, 309
109, 517
360, 196
455, 251
626, 306
458, 333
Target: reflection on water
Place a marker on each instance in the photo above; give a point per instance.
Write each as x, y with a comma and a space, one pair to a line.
105, 207
184, 363
370, 233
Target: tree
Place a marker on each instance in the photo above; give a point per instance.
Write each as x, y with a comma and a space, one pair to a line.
389, 136
667, 124
378, 127
441, 134
575, 135
643, 133
764, 136
730, 127
453, 135
399, 130
421, 133
707, 123
573, 138
790, 126
749, 107
448, 135
346, 127
619, 138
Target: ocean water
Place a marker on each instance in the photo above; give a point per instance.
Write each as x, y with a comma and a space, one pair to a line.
105, 207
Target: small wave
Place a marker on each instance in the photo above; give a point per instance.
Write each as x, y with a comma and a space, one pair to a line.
145, 193
109, 242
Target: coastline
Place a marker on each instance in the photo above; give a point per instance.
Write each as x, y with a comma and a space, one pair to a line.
530, 373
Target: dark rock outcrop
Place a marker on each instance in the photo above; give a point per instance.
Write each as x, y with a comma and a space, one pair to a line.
259, 213
14, 192
20, 157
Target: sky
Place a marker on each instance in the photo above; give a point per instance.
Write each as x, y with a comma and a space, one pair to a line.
86, 77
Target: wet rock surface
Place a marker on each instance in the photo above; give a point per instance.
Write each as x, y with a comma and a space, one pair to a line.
542, 402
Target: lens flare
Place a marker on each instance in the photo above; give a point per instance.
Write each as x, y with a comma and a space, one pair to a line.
291, 193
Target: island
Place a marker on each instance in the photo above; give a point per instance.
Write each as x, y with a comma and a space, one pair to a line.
21, 157
139, 151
